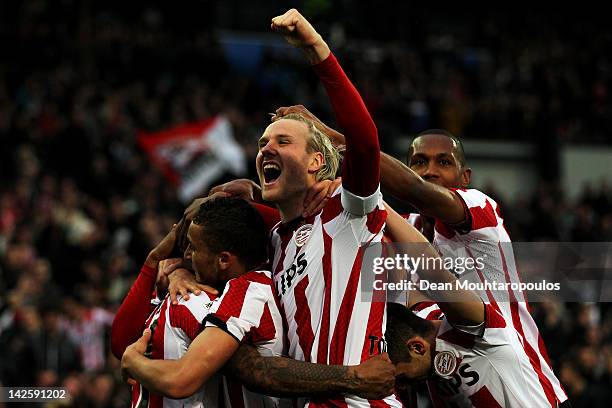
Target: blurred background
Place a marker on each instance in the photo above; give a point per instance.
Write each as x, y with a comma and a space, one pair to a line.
83, 198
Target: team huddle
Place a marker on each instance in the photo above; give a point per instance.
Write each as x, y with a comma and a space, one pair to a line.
263, 307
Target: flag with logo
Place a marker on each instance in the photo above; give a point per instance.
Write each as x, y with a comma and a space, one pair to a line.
194, 155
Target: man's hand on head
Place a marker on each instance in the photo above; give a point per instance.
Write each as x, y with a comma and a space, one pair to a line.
336, 137
240, 188
195, 205
300, 110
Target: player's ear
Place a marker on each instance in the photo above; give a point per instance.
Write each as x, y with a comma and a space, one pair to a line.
224, 260
417, 345
466, 177
317, 161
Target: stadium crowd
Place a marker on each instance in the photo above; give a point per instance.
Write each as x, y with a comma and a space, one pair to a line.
80, 204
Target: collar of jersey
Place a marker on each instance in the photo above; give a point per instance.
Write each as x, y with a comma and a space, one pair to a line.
295, 223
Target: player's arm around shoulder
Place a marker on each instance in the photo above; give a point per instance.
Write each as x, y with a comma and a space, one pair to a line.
461, 306
432, 200
226, 325
284, 377
183, 377
189, 314
206, 355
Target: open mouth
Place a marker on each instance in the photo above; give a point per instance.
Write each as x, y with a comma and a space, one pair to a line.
271, 172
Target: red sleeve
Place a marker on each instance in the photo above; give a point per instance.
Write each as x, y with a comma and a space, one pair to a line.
361, 164
231, 303
479, 212
241, 310
493, 317
270, 215
133, 313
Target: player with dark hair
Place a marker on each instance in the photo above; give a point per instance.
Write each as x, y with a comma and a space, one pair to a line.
226, 242
458, 150
226, 225
436, 182
473, 357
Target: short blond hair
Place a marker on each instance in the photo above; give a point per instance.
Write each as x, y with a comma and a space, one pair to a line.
319, 142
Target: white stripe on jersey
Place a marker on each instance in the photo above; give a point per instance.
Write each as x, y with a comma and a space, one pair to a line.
176, 342
427, 310
483, 240
247, 307
491, 370
318, 283
248, 298
170, 342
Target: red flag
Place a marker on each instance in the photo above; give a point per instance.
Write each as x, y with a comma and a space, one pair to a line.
193, 155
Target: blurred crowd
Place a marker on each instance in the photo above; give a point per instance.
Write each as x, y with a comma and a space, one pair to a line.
80, 204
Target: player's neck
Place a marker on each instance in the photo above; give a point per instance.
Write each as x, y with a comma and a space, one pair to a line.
233, 272
236, 271
291, 208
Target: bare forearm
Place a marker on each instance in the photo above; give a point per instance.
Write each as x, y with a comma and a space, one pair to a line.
402, 232
401, 182
157, 376
460, 305
285, 377
209, 351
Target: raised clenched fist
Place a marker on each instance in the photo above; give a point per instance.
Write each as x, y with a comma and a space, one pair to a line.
300, 33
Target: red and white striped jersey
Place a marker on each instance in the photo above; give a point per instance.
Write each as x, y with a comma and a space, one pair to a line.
482, 238
317, 265
483, 371
247, 310
173, 328
427, 310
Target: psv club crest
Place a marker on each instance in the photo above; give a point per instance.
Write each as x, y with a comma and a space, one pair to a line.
445, 364
302, 235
